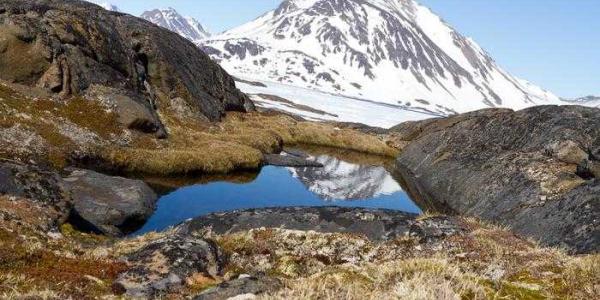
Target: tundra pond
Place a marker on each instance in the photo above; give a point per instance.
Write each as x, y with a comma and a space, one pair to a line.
347, 179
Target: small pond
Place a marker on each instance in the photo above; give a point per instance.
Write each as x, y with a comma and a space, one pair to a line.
347, 179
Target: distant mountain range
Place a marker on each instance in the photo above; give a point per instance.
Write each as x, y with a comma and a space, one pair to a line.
396, 54
593, 101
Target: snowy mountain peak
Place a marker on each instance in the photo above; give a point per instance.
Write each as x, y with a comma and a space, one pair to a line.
169, 18
392, 51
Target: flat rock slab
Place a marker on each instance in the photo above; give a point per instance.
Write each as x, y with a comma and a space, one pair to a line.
376, 225
108, 205
289, 161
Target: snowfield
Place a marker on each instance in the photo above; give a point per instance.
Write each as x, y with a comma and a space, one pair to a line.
339, 108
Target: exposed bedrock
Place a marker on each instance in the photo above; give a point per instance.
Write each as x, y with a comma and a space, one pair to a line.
375, 224
535, 170
74, 48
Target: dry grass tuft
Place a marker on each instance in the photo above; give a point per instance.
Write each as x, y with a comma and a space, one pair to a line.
487, 262
63, 127
237, 143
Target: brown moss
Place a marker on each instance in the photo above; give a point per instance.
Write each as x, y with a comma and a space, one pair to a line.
85, 113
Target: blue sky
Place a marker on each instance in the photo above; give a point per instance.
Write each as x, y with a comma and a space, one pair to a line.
553, 43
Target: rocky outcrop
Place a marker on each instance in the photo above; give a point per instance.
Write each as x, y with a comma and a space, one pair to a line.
285, 160
244, 286
108, 205
374, 224
534, 170
71, 47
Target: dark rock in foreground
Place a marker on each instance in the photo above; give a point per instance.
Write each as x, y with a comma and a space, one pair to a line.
375, 224
534, 170
109, 205
36, 184
187, 252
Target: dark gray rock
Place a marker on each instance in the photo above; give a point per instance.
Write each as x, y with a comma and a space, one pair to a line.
289, 161
523, 169
166, 264
71, 45
36, 184
374, 224
244, 285
108, 205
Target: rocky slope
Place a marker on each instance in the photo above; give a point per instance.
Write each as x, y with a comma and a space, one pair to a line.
55, 46
397, 52
535, 170
170, 19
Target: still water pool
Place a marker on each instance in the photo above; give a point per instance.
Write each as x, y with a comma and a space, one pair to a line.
343, 181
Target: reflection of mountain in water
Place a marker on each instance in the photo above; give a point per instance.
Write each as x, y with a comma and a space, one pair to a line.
340, 180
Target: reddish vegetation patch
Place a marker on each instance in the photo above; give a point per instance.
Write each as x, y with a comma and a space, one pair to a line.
73, 276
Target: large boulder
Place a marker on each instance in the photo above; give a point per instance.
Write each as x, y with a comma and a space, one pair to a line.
108, 205
534, 170
71, 47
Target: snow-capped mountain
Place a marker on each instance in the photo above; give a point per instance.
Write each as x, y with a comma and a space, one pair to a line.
340, 180
169, 18
395, 52
592, 101
105, 5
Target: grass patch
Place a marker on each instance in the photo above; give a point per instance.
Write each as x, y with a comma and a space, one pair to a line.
237, 143
193, 146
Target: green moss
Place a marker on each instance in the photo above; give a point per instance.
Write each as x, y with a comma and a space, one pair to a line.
508, 290
85, 238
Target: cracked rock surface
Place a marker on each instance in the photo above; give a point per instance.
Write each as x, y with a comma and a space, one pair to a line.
534, 170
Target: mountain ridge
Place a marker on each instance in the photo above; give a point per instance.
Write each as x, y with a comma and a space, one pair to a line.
169, 18
397, 52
